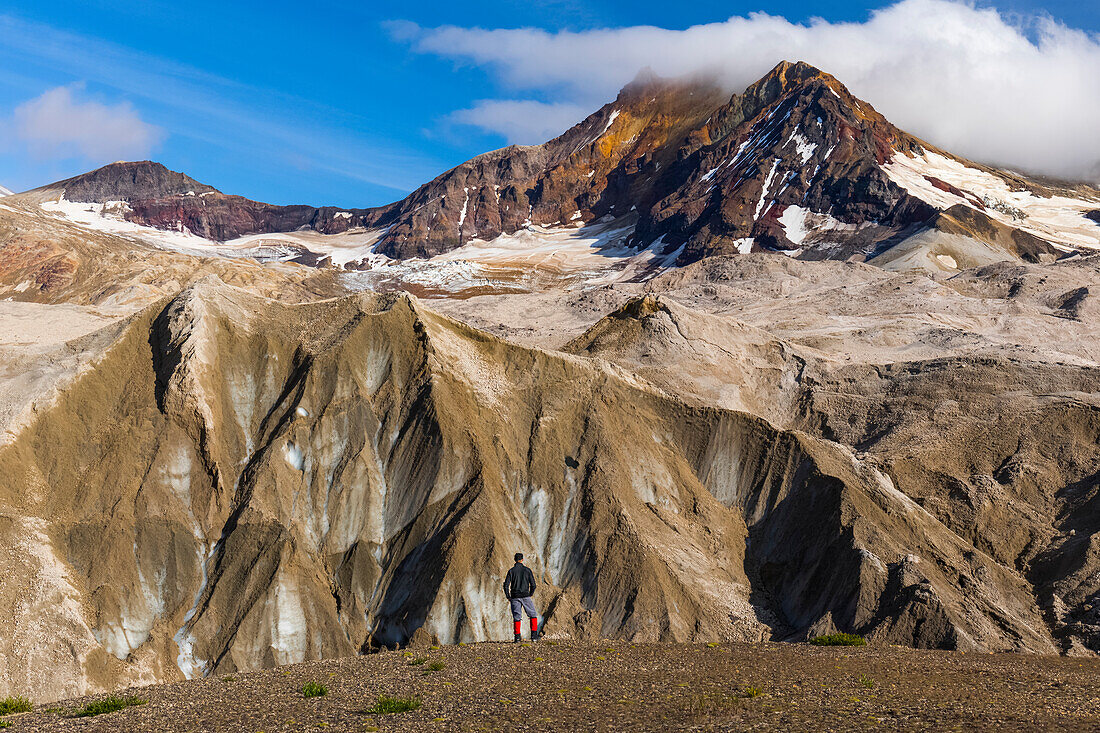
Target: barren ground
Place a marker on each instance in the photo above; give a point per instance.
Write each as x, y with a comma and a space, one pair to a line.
552, 686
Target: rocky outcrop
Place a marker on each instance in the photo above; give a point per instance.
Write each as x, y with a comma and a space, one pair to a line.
222, 217
129, 181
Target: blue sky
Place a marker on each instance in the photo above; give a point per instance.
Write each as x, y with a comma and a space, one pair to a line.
356, 103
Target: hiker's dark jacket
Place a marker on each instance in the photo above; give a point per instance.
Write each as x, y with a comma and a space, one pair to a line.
519, 582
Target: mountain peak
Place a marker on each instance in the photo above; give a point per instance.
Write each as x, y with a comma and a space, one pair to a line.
796, 70
785, 77
129, 180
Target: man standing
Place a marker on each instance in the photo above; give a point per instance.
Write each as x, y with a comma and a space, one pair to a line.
519, 586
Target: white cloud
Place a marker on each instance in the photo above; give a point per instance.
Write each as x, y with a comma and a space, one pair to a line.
58, 125
217, 112
521, 121
1017, 92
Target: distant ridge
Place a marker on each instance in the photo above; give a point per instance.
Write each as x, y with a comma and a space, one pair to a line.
794, 164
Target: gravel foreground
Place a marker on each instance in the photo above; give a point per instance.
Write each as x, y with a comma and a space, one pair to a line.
611, 686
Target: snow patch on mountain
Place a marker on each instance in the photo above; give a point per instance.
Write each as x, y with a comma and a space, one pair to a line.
803, 147
764, 191
109, 217
610, 121
528, 260
800, 224
1058, 219
744, 246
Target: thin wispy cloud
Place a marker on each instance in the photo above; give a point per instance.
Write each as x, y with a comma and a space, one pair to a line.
1018, 92
521, 121
58, 124
186, 101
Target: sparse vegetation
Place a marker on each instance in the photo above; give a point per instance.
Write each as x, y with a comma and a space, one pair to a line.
5, 723
435, 666
386, 705
839, 640
418, 660
744, 686
699, 705
11, 705
107, 705
314, 689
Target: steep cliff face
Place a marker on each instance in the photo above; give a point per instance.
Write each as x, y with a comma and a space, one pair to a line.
237, 483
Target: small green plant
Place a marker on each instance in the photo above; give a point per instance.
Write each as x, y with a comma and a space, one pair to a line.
229, 678
712, 644
107, 705
386, 705
11, 705
435, 666
314, 689
5, 723
418, 660
867, 682
839, 640
752, 692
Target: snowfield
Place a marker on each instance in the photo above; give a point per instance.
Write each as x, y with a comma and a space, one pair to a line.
533, 258
1058, 219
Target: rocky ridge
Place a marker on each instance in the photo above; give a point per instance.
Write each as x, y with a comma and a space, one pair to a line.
794, 163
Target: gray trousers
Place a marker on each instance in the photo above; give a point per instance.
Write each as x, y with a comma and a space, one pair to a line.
526, 604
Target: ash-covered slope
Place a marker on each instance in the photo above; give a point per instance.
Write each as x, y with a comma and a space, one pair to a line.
237, 483
976, 395
50, 259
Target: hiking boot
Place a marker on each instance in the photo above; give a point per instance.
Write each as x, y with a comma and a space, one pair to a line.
518, 639
535, 635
